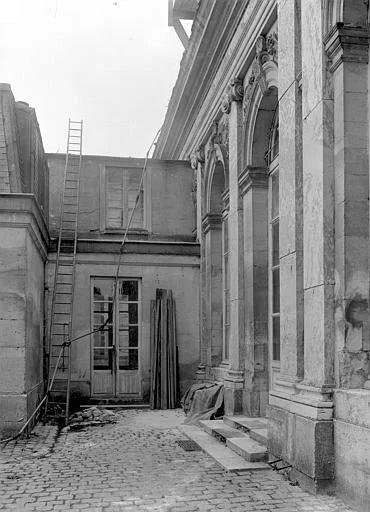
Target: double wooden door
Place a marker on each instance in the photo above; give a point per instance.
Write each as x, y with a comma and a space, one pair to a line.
115, 351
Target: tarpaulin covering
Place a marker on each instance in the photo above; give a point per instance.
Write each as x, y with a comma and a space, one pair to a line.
163, 351
203, 402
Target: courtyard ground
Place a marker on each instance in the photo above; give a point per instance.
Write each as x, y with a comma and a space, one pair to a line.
137, 465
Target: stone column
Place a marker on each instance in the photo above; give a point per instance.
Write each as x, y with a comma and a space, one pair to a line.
212, 350
235, 377
253, 184
197, 162
290, 198
318, 209
300, 427
348, 48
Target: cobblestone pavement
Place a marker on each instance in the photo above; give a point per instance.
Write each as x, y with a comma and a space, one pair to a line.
136, 465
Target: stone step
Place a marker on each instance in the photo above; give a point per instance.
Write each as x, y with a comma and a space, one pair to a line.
256, 428
247, 448
236, 440
222, 454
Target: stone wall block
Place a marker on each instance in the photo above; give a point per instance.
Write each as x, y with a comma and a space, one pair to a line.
291, 301
318, 196
314, 448
280, 443
319, 336
352, 464
352, 406
317, 83
12, 369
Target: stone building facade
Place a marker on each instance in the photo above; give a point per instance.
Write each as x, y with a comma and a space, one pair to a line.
161, 252
271, 106
24, 199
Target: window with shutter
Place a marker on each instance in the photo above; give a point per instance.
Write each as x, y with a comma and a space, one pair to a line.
122, 189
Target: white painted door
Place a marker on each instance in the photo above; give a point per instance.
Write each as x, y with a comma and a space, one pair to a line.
116, 348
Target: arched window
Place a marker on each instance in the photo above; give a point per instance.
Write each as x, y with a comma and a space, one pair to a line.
274, 257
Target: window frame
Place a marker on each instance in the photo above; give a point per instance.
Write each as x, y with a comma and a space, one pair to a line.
104, 227
273, 221
225, 290
115, 325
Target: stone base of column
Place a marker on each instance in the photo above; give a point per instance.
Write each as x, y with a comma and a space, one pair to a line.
200, 374
233, 392
255, 403
301, 432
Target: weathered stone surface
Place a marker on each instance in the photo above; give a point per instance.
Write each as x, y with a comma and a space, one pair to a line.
352, 463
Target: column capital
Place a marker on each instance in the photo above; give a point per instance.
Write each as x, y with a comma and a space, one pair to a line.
211, 221
252, 177
345, 43
197, 157
234, 92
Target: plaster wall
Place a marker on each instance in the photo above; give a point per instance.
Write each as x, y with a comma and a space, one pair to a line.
168, 206
175, 272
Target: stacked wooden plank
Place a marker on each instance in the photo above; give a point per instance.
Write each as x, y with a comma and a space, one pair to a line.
163, 347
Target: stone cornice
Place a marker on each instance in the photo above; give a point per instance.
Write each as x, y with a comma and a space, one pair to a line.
211, 221
142, 247
346, 43
252, 177
240, 55
22, 211
197, 73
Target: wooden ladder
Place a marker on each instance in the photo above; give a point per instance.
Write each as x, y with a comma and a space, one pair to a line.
60, 328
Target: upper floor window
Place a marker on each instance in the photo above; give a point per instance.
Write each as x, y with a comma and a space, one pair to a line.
122, 188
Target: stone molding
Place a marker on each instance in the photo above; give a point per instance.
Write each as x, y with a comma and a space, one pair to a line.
22, 211
225, 196
234, 379
346, 43
252, 177
211, 221
234, 92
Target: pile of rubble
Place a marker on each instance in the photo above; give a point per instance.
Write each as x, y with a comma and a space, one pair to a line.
92, 416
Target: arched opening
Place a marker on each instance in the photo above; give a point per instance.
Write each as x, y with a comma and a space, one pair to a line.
261, 229
217, 189
261, 142
217, 264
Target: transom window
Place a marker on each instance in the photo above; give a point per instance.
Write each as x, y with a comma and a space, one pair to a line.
122, 187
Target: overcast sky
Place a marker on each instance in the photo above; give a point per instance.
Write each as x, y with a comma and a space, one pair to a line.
112, 63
